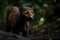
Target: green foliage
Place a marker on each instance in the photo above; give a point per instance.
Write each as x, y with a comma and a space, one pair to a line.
44, 12
35, 27
41, 21
43, 9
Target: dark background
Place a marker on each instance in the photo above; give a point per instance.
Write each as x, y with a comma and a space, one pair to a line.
46, 19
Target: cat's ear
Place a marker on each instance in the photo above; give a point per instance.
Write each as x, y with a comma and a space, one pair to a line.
32, 7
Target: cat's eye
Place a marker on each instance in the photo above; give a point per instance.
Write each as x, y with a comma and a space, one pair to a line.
27, 13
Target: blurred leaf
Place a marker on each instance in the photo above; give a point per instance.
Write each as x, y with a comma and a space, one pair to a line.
41, 21
35, 27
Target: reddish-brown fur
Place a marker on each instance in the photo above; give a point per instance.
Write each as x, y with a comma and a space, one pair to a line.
16, 19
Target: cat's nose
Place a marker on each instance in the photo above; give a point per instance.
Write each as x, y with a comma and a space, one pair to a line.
31, 17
